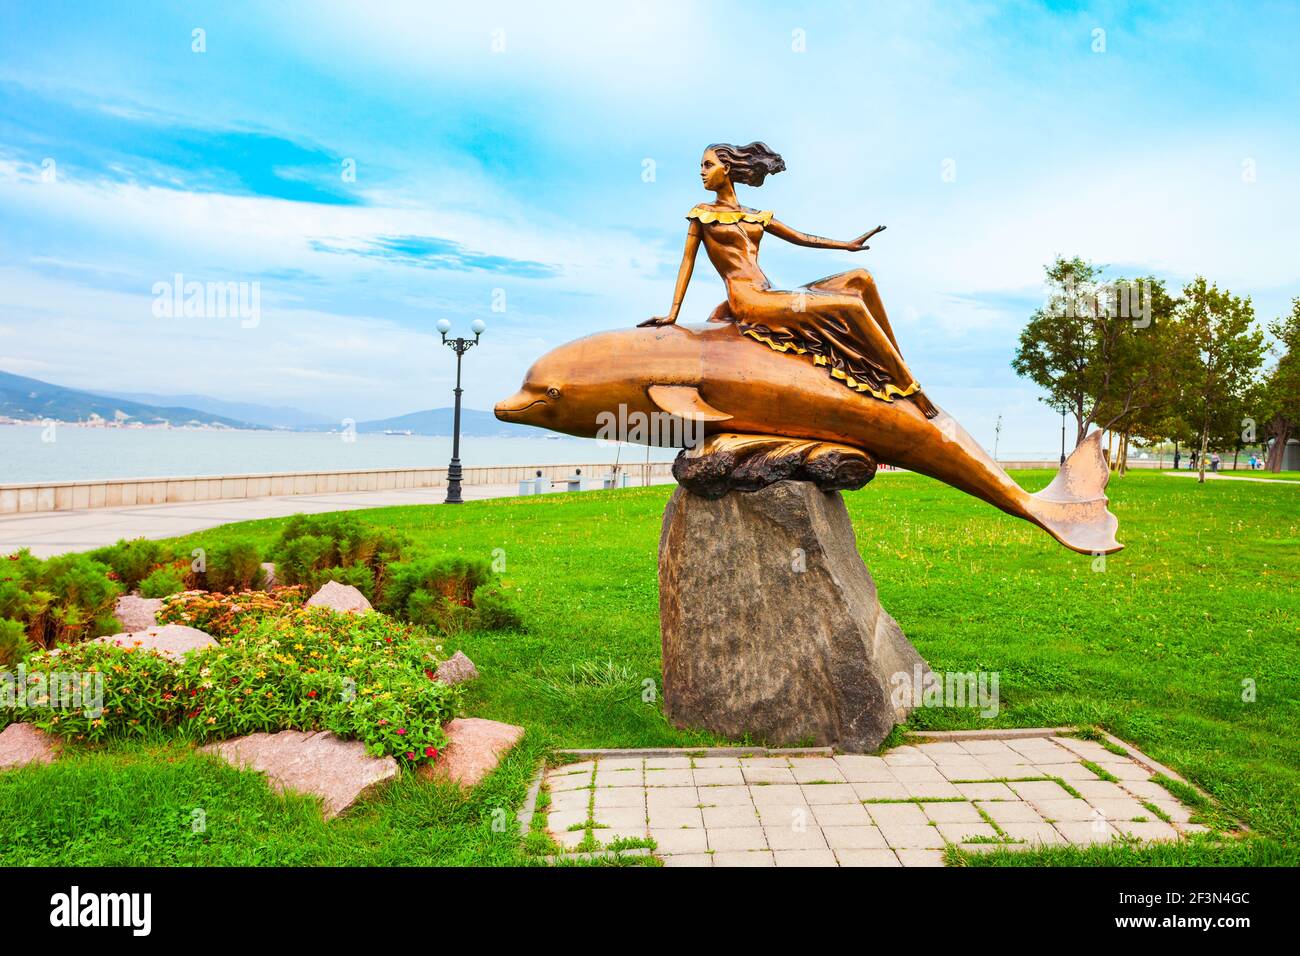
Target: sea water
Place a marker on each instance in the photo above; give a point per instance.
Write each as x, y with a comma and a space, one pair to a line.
31, 453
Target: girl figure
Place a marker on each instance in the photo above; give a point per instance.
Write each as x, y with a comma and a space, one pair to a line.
839, 321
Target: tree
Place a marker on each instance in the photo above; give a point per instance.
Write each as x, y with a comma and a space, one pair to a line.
1280, 392
1219, 327
1055, 346
1095, 349
1139, 374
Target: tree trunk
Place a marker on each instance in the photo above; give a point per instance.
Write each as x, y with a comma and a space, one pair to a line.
1281, 435
1205, 443
1235, 455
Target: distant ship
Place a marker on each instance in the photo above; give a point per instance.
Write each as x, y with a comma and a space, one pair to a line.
398, 431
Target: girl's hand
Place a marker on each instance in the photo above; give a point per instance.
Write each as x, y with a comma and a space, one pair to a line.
657, 320
860, 243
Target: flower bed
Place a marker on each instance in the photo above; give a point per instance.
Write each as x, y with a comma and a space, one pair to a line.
225, 615
364, 677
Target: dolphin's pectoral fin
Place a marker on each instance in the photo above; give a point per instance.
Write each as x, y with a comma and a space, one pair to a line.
685, 402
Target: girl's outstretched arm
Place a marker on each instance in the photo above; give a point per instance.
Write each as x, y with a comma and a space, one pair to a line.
782, 231
683, 277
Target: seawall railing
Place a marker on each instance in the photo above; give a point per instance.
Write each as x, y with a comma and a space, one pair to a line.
32, 497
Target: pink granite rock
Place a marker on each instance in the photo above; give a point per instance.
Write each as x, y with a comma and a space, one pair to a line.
340, 597
136, 613
170, 640
21, 744
474, 748
321, 764
456, 670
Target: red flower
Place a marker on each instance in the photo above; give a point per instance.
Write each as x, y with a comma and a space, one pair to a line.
410, 755
431, 751
311, 693
388, 640
401, 731
429, 674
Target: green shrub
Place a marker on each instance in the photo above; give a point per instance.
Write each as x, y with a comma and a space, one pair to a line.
449, 594
225, 615
233, 565
163, 582
493, 611
297, 560
453, 578
132, 561
310, 544
363, 677
358, 576
434, 611
62, 600
14, 643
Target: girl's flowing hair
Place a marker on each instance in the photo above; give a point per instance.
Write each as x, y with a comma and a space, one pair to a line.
751, 164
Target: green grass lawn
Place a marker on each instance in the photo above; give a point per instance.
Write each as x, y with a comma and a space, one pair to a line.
1155, 645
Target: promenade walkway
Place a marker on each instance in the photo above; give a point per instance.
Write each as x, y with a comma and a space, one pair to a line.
1229, 476
57, 532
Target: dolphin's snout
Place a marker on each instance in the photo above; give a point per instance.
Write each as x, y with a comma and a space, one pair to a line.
512, 408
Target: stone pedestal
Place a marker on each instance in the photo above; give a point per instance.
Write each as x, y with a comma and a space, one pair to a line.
771, 624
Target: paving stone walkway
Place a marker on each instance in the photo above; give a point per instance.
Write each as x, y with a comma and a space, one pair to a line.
900, 809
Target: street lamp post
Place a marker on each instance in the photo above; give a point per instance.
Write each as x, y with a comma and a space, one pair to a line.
1062, 435
460, 346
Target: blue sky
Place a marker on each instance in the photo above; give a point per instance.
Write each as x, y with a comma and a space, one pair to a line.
500, 155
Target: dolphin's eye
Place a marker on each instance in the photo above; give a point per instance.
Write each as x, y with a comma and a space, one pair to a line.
552, 392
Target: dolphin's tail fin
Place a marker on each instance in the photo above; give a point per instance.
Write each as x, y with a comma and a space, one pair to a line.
1072, 509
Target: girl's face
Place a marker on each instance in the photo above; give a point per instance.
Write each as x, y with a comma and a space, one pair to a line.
713, 173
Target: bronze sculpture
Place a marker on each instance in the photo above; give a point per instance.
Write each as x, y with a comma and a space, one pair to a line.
768, 412
839, 320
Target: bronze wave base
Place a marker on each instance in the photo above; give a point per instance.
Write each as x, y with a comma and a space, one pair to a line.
733, 462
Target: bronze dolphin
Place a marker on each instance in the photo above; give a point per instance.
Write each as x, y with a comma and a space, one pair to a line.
712, 375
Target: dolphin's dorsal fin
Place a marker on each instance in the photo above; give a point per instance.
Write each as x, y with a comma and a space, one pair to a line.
685, 401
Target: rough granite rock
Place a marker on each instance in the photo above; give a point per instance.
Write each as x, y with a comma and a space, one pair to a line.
136, 613
321, 764
21, 744
456, 669
170, 640
771, 624
474, 748
340, 597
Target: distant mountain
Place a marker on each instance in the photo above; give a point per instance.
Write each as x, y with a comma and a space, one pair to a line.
28, 398
271, 416
438, 421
